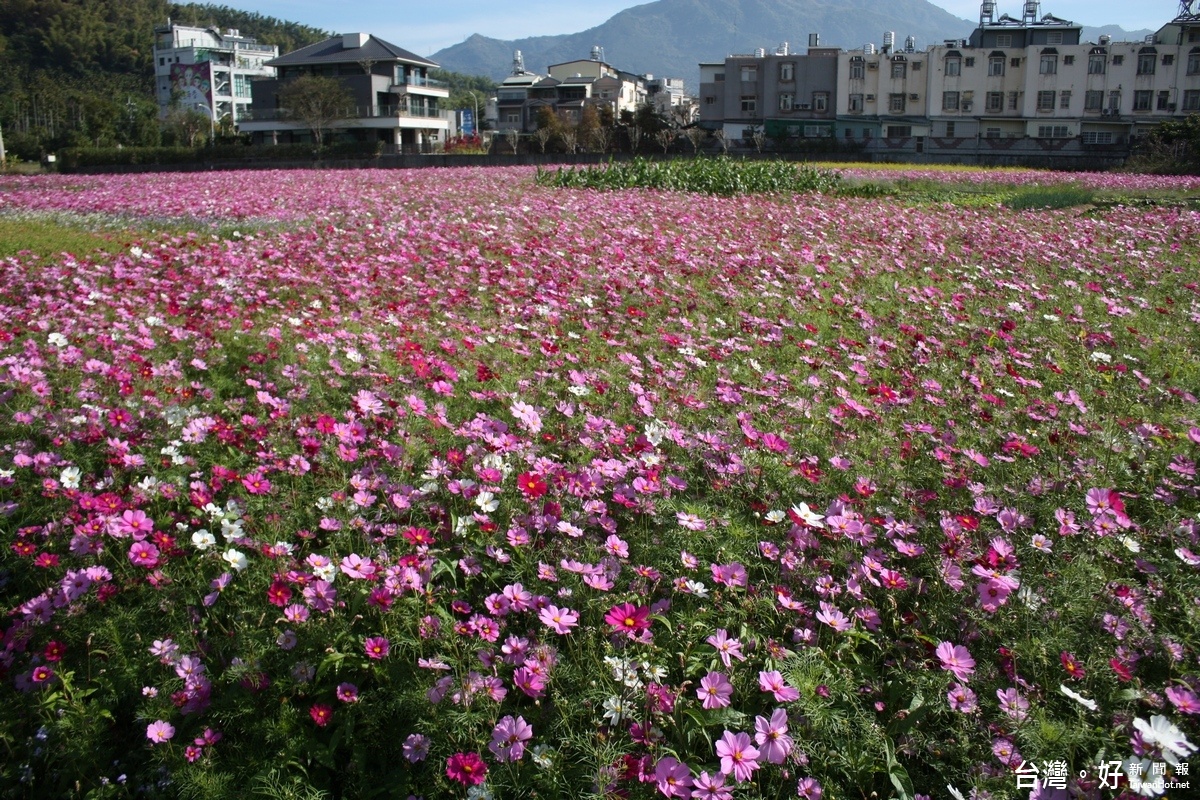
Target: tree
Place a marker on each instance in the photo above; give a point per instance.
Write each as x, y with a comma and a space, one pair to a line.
722, 139
513, 137
317, 101
543, 136
665, 138
185, 126
589, 123
695, 136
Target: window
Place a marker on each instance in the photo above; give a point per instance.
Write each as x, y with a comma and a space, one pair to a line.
241, 86
1049, 65
1118, 60
1053, 132
895, 103
787, 71
786, 101
749, 74
857, 69
749, 103
995, 65
1146, 63
949, 101
1141, 100
1003, 40
1014, 62
991, 133
899, 69
811, 131
916, 67
1096, 64
994, 102
1054, 37
1064, 99
1093, 100
1014, 101
949, 130
899, 131
1163, 102
1193, 65
1191, 100
1068, 60
709, 100
820, 102
1045, 101
953, 67
1096, 137
1168, 59
513, 117
718, 77
970, 62
1114, 102
855, 105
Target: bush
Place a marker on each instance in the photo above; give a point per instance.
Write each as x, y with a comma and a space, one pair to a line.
720, 176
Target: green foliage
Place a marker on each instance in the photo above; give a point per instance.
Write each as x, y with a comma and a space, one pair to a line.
1060, 196
720, 176
317, 101
1172, 148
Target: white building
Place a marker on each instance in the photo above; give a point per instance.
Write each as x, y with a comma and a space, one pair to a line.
207, 69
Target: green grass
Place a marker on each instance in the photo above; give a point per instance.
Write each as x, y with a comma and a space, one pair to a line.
51, 237
720, 176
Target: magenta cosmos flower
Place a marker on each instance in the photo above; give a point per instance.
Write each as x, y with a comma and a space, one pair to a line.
509, 738
671, 778
629, 618
466, 768
377, 647
739, 757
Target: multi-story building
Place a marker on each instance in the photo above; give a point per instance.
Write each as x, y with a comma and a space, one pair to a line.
207, 69
1021, 86
883, 93
395, 101
780, 94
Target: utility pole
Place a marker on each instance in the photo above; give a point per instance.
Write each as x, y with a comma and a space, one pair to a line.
3, 158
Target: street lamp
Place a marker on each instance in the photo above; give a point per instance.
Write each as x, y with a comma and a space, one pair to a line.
212, 123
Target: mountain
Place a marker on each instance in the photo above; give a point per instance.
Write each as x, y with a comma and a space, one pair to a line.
671, 37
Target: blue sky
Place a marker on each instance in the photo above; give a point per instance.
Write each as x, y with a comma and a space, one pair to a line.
425, 28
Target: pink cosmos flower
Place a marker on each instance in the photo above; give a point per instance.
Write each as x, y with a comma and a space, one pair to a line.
416, 747
347, 692
710, 787
160, 731
832, 616
956, 659
772, 736
773, 682
509, 738
629, 618
726, 648
961, 699
466, 768
672, 778
715, 690
1183, 699
559, 620
144, 554
738, 756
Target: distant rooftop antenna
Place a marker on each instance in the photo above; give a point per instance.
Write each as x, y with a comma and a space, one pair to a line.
1030, 13
1185, 9
987, 12
597, 53
518, 67
889, 41
910, 44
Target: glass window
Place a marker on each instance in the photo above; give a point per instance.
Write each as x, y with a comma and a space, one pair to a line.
996, 65
1096, 137
1114, 101
749, 103
953, 66
1053, 132
1093, 100
1146, 63
896, 103
970, 62
786, 101
1014, 101
1003, 40
1191, 100
994, 102
1054, 37
820, 101
749, 74
1141, 100
1049, 65
857, 69
950, 101
1045, 101
1096, 65
855, 104
899, 69
1064, 99
1193, 65
1164, 100
787, 71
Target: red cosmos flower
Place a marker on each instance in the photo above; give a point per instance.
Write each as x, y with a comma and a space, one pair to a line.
466, 768
532, 485
629, 618
1071, 665
279, 594
54, 651
321, 714
1124, 673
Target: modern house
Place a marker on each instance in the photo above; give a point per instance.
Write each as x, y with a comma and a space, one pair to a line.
208, 69
396, 103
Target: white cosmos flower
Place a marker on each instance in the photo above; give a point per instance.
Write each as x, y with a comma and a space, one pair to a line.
1090, 705
808, 515
1162, 732
203, 540
235, 558
69, 478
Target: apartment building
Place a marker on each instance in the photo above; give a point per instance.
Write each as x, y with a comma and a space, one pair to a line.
208, 69
395, 101
780, 94
1027, 83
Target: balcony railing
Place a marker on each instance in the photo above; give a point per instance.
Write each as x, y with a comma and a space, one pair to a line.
359, 112
430, 83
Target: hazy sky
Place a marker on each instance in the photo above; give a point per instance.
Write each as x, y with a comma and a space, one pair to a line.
425, 28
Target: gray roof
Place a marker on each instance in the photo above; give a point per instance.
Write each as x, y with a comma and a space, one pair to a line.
331, 51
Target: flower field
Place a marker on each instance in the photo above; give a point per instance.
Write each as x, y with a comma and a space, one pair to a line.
446, 484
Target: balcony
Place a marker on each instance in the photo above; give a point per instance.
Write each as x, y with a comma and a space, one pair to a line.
360, 113
424, 86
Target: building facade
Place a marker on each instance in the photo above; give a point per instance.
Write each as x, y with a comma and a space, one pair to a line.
1017, 84
208, 69
396, 103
